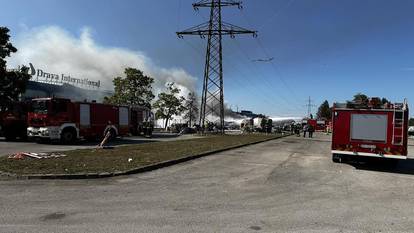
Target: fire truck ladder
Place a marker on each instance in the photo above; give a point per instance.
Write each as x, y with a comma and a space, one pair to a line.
398, 127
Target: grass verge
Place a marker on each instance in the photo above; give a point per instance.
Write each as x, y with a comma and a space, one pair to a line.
119, 158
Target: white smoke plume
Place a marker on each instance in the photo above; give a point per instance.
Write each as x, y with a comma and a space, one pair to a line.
57, 51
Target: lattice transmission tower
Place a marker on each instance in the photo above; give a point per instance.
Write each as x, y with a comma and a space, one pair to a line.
309, 105
212, 100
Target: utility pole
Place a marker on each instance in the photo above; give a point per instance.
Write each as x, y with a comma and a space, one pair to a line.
310, 105
190, 106
212, 100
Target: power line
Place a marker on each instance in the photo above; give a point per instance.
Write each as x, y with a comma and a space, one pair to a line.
212, 101
270, 84
245, 83
279, 75
277, 13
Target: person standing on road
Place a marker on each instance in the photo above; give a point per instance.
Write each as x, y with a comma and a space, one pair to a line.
311, 129
305, 128
297, 130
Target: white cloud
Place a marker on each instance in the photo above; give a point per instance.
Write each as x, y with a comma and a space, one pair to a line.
57, 51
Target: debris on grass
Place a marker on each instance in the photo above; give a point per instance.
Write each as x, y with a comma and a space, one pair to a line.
23, 155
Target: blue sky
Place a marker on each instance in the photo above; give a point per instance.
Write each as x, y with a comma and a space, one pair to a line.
325, 49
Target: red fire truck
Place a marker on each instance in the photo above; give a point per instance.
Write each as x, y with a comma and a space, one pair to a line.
370, 129
64, 120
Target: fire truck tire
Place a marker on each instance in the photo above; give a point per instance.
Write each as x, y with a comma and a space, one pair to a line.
9, 135
149, 133
24, 136
134, 132
68, 136
392, 163
336, 158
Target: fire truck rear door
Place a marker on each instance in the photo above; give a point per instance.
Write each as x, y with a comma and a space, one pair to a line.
372, 127
85, 115
123, 116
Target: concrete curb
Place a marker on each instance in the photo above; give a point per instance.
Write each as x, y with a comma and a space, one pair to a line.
132, 171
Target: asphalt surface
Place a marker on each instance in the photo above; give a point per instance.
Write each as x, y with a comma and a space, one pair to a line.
285, 185
11, 147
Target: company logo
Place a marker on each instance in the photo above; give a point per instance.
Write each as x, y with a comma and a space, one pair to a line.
52, 78
32, 69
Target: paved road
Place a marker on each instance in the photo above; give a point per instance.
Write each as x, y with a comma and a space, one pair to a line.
286, 185
7, 148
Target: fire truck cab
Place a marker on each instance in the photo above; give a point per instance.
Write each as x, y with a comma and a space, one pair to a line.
372, 129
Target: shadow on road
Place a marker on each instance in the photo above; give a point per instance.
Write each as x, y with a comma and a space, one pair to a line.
384, 165
164, 135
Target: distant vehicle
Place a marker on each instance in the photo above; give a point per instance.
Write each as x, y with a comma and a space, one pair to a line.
188, 130
177, 127
247, 125
411, 130
372, 129
257, 124
67, 121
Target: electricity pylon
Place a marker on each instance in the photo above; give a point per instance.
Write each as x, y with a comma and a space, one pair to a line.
310, 105
212, 100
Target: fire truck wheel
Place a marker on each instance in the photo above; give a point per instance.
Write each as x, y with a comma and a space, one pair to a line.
68, 136
9, 135
336, 158
134, 132
392, 163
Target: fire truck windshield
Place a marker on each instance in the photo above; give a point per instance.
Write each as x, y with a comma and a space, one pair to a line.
40, 106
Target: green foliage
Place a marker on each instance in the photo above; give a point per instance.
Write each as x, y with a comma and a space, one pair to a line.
168, 104
6, 48
411, 122
263, 123
269, 126
191, 109
12, 83
134, 89
360, 98
384, 101
324, 111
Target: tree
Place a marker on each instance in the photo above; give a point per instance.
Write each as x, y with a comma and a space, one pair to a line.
191, 108
360, 98
134, 89
269, 126
263, 124
12, 83
384, 100
168, 104
324, 111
